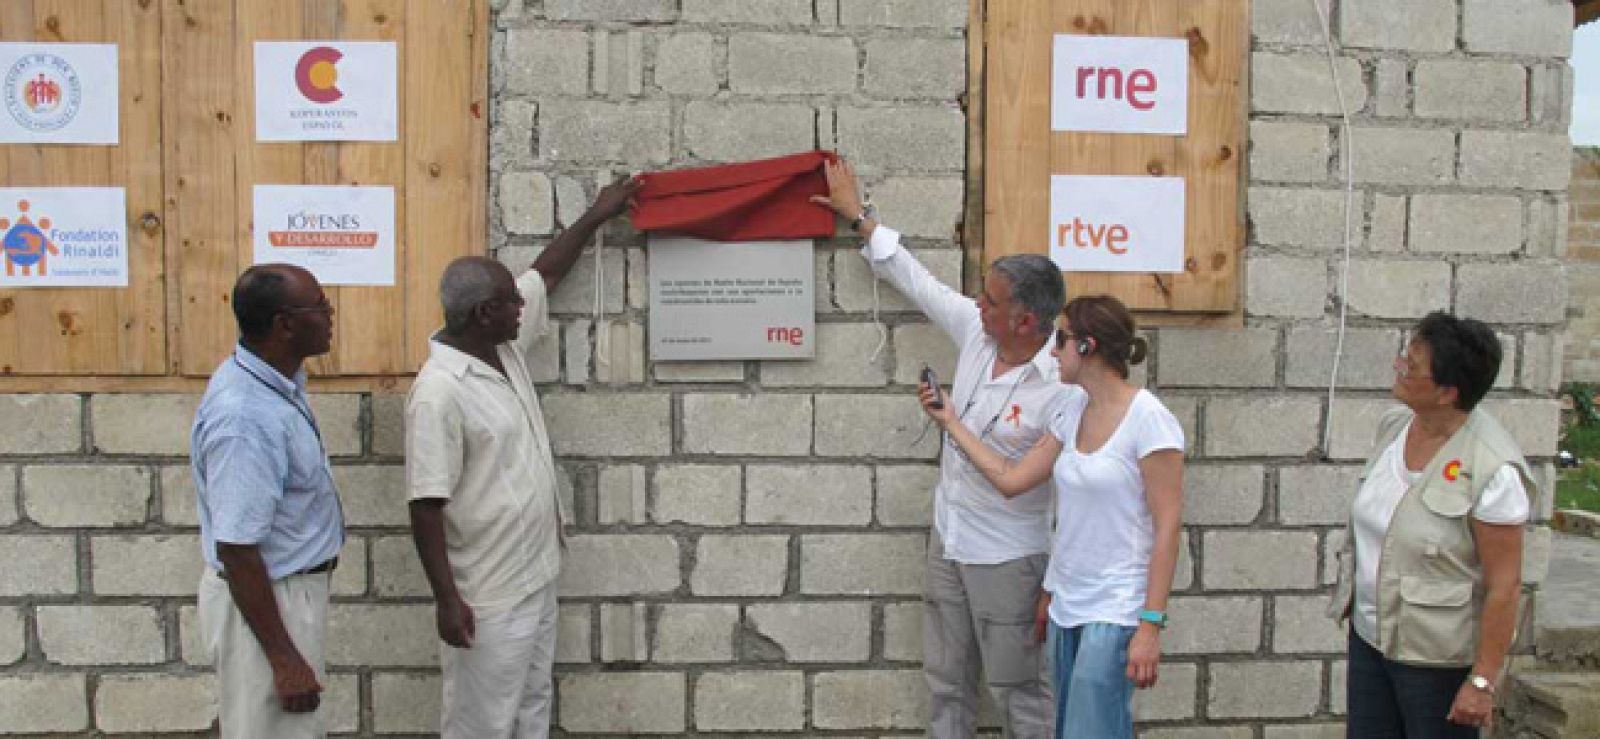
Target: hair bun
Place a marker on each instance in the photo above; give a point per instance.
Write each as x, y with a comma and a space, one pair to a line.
1138, 348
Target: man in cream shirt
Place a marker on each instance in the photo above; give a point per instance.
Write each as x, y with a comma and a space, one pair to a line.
485, 514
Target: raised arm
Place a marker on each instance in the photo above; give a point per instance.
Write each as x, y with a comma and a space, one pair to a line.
557, 258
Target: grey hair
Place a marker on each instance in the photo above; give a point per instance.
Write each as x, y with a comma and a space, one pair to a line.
467, 283
1036, 285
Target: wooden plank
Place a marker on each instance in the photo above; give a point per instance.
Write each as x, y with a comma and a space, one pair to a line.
19, 166
199, 151
1016, 207
183, 384
972, 222
444, 123
143, 337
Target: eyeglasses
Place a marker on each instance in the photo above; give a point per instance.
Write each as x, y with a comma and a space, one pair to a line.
1405, 370
322, 306
1062, 337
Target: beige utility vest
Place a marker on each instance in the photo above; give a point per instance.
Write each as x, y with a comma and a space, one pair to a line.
1429, 577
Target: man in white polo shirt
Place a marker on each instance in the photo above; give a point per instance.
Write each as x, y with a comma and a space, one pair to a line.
485, 514
987, 553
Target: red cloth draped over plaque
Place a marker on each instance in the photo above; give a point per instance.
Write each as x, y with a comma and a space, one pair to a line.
749, 201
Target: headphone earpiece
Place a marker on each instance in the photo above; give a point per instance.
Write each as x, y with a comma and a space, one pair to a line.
1085, 346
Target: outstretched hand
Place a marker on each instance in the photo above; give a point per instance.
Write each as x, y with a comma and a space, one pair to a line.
615, 197
844, 192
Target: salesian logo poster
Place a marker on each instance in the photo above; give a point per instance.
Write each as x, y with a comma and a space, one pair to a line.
327, 91
342, 234
58, 93
63, 237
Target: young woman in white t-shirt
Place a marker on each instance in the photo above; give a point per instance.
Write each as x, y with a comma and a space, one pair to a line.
1116, 456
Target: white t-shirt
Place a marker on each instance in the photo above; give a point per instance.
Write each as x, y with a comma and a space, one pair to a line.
1100, 557
1504, 501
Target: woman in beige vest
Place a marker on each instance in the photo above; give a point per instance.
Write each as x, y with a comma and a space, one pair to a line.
1430, 570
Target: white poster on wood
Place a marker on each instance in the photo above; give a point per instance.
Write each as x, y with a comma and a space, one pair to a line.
59, 93
64, 237
731, 300
327, 91
1120, 84
343, 235
1116, 224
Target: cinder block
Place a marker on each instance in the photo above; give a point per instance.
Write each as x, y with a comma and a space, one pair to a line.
135, 423
1316, 495
396, 569
727, 132
1259, 560
725, 424
1512, 293
830, 564
1398, 288
918, 139
619, 564
697, 494
695, 632
42, 424
1300, 83
1534, 423
1417, 25
916, 68
595, 131
1470, 224
1306, 219
405, 703
1218, 357
853, 280
841, 360
339, 417
145, 565
1287, 22
1392, 78
905, 494
1330, 556
575, 295
41, 703
766, 13
527, 203
572, 633
155, 703
1386, 227
580, 349
1354, 427
808, 495
1471, 90
623, 636
609, 424
705, 371
9, 509
622, 494
1552, 93
750, 701
877, 426
1222, 493
922, 344
741, 565
1402, 156
1235, 689
815, 632
83, 495
921, 207
1266, 426
1541, 361
101, 635
902, 632
903, 13
381, 635
373, 495
511, 134
611, 10
618, 62
1527, 160
38, 565
688, 63
765, 64
13, 636
1200, 732
1287, 151
1549, 229
1213, 624
542, 61
1529, 27
623, 703
1365, 362
1172, 698
1300, 624
869, 699
1306, 731
178, 499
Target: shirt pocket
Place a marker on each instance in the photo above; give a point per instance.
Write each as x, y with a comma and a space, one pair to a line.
1437, 623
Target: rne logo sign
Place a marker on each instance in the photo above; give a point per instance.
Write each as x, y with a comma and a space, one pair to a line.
1120, 84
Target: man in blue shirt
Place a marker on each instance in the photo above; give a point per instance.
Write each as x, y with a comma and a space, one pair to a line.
270, 521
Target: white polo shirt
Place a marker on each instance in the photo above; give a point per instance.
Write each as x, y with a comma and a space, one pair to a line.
477, 438
976, 524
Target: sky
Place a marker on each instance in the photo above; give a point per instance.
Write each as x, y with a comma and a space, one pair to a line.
1586, 86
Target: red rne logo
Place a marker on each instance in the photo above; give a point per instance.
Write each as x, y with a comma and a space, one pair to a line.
793, 336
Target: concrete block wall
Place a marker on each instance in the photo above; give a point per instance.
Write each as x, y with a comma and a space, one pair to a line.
748, 536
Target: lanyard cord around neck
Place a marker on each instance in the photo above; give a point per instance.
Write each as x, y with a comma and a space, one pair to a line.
304, 412
977, 382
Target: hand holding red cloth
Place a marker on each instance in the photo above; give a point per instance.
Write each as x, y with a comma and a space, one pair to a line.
768, 199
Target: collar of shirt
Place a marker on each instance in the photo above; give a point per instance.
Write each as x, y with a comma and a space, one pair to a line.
458, 363
267, 373
1041, 361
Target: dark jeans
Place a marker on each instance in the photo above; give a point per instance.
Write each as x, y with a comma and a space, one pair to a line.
1389, 700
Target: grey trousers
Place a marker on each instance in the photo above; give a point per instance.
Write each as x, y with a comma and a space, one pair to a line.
979, 618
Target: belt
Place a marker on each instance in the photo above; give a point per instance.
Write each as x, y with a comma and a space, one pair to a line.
316, 569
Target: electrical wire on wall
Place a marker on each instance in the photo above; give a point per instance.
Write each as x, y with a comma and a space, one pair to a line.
1347, 150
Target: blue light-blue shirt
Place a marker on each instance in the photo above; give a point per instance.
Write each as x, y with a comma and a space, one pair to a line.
260, 472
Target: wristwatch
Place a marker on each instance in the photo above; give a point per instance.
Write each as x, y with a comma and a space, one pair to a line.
868, 210
1481, 683
1159, 618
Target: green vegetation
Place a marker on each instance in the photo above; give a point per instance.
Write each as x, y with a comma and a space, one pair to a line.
1579, 487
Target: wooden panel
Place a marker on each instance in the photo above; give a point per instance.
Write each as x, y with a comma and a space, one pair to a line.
1022, 152
94, 330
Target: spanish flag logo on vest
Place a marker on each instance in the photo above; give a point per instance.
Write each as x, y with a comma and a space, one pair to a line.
1452, 470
